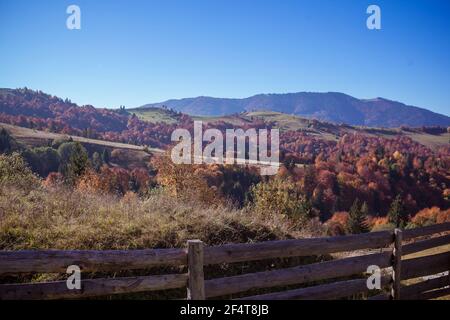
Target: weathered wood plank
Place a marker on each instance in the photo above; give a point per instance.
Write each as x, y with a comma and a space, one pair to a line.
396, 265
322, 292
296, 275
55, 261
381, 296
425, 244
295, 248
425, 231
434, 294
196, 288
91, 287
423, 266
413, 291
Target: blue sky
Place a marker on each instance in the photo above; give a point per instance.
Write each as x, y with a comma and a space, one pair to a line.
135, 52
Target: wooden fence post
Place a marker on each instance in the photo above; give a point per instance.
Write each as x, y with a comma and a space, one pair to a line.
396, 264
196, 282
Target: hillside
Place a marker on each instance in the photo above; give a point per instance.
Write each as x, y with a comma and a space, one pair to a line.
287, 122
132, 156
41, 111
331, 106
152, 126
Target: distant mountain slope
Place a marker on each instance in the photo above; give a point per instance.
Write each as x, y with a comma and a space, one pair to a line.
153, 126
41, 111
331, 106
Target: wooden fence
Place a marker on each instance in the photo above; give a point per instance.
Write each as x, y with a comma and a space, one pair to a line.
390, 248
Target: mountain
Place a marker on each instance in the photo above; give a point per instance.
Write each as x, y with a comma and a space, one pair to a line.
153, 126
331, 106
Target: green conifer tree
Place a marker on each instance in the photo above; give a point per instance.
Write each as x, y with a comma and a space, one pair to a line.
357, 218
397, 214
5, 141
97, 161
105, 156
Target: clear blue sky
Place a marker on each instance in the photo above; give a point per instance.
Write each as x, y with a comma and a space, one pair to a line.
135, 52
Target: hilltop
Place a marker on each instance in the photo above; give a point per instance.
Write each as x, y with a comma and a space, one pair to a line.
331, 106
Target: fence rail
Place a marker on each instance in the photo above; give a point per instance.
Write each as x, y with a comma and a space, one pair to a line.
93, 287
328, 291
295, 248
196, 256
56, 261
296, 275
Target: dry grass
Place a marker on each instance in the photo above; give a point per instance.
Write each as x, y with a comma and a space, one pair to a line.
154, 115
63, 219
66, 219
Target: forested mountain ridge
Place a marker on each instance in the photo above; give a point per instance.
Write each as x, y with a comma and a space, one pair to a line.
331, 106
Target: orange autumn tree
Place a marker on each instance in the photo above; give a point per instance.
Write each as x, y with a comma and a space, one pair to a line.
430, 216
108, 180
336, 224
183, 181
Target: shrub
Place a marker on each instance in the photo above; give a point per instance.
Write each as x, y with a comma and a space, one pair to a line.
429, 216
184, 181
15, 172
42, 160
6, 144
54, 180
335, 226
59, 141
383, 227
334, 229
281, 196
375, 221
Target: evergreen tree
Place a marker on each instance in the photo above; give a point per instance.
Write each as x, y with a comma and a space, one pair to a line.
74, 161
306, 209
105, 156
318, 203
365, 209
79, 160
397, 214
97, 161
357, 218
5, 141
309, 181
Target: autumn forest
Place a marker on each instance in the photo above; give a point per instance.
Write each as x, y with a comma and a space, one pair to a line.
354, 182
